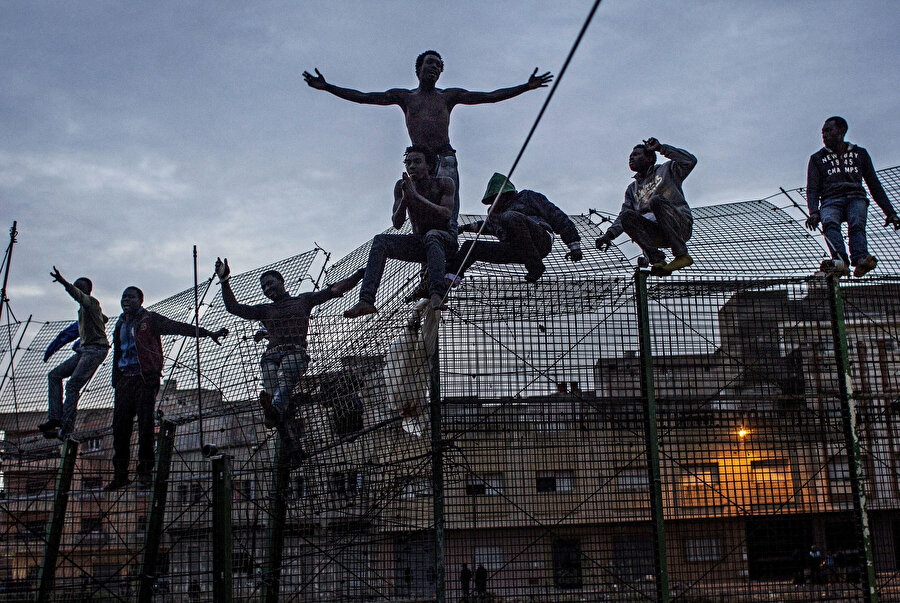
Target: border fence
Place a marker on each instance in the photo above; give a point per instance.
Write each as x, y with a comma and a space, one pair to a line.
729, 433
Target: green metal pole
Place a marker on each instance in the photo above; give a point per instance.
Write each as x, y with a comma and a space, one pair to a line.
276, 527
164, 444
651, 436
851, 436
437, 476
57, 519
222, 570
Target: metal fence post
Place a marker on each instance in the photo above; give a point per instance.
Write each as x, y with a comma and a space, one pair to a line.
57, 518
651, 436
276, 527
164, 444
437, 475
851, 436
222, 542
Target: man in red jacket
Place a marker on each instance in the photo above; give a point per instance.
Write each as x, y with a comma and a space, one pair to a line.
137, 369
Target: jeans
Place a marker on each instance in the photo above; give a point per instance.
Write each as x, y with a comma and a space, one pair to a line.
432, 248
133, 396
281, 369
851, 210
449, 168
671, 229
79, 369
524, 242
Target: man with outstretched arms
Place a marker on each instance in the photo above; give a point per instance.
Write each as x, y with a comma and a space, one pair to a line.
81, 366
655, 213
835, 194
428, 202
427, 109
286, 324
524, 221
136, 373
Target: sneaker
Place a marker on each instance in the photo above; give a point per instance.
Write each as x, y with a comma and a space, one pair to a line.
144, 481
869, 262
361, 308
682, 261
270, 416
116, 484
52, 434
835, 267
535, 273
50, 425
659, 269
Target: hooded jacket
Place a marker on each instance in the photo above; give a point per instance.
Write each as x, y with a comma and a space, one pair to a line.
538, 209
830, 176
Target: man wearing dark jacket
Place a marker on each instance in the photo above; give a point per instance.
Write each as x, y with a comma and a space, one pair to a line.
80, 367
655, 213
835, 194
136, 372
524, 222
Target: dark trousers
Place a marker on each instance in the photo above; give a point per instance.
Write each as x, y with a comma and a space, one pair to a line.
432, 248
671, 229
134, 396
524, 242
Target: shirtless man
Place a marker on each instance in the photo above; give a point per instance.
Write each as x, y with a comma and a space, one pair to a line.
427, 110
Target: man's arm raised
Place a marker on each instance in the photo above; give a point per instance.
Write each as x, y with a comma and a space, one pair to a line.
460, 96
394, 96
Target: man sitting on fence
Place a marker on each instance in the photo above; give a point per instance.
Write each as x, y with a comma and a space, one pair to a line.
81, 366
428, 201
524, 221
136, 373
286, 324
655, 213
835, 194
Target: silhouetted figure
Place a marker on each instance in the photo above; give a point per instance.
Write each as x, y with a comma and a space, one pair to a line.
80, 367
835, 194
286, 325
465, 579
815, 565
427, 109
428, 201
655, 213
136, 372
524, 222
481, 580
194, 591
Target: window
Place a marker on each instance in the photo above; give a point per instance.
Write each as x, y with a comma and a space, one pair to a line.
91, 525
567, 563
698, 485
694, 476
491, 557
633, 480
242, 563
91, 483
36, 485
196, 491
182, 492
703, 549
346, 483
93, 445
839, 481
417, 487
244, 490
300, 486
489, 484
560, 480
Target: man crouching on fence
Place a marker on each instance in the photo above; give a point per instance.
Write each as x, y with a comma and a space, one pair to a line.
428, 200
286, 321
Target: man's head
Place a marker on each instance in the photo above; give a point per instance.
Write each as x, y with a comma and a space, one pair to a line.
132, 298
272, 284
498, 184
641, 159
833, 131
429, 66
84, 285
418, 160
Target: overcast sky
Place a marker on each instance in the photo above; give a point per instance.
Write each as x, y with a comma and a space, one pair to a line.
131, 131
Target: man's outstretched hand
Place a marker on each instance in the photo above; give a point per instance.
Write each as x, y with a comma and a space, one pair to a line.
316, 81
221, 333
812, 222
535, 80
223, 271
892, 220
651, 144
57, 277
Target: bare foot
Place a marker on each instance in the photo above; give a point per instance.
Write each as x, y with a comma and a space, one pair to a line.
360, 309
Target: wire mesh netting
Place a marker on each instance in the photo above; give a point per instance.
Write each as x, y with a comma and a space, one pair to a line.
502, 451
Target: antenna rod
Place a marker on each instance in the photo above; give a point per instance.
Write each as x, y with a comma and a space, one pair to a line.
197, 340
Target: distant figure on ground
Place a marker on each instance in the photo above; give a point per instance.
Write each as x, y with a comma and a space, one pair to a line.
481, 578
285, 324
465, 579
81, 366
524, 222
428, 201
427, 110
835, 194
655, 213
137, 369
